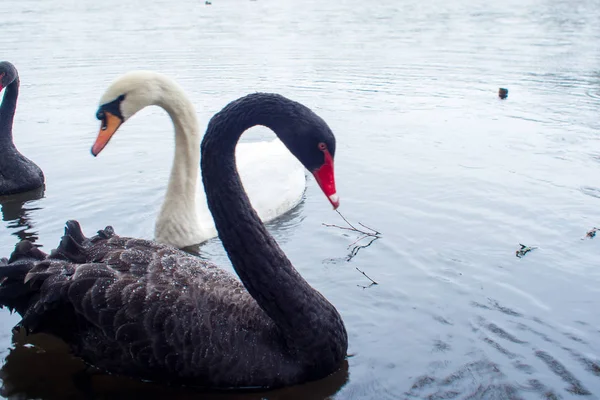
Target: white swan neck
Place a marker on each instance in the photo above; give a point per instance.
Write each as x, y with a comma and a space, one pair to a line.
177, 222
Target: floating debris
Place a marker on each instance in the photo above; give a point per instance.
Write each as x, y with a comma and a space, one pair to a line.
355, 246
369, 278
592, 233
524, 250
351, 227
370, 233
503, 93
208, 3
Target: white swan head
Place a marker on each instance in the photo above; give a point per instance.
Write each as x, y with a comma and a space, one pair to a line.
127, 95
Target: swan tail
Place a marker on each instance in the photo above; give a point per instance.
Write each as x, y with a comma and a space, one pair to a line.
72, 245
49, 288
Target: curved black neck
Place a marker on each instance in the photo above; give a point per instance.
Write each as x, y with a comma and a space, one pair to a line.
7, 112
268, 275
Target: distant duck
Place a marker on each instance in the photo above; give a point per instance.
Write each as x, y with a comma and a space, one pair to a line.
17, 173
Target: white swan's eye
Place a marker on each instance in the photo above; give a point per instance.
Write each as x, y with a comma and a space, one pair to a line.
102, 117
322, 146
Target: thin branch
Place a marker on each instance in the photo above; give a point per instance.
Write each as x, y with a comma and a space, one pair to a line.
367, 276
371, 229
346, 229
344, 218
355, 247
353, 228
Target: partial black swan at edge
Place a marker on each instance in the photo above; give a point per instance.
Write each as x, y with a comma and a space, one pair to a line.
143, 309
17, 173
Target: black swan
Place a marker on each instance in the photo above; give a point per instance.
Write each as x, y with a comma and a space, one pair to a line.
17, 173
148, 310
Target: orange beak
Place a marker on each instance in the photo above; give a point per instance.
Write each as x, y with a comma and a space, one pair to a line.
326, 180
109, 126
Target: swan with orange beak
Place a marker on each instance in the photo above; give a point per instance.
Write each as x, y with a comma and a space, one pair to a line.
111, 119
274, 179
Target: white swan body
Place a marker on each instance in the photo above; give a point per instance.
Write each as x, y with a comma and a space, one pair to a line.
270, 200
272, 176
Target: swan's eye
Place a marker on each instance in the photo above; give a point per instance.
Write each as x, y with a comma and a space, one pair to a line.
121, 97
102, 117
322, 146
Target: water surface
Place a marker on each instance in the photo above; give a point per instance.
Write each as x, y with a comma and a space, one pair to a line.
454, 177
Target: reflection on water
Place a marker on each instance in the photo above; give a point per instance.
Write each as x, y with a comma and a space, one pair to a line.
16, 210
39, 366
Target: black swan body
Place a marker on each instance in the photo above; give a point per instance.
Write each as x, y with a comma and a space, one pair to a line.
139, 308
17, 173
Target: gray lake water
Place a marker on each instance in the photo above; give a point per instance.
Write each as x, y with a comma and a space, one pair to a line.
452, 176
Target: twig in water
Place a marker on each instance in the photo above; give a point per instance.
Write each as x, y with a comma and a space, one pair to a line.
353, 228
341, 227
371, 229
344, 218
355, 247
367, 276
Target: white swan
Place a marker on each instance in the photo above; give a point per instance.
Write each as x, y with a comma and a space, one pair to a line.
272, 176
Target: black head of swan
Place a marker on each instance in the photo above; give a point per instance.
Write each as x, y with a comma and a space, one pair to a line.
143, 309
17, 173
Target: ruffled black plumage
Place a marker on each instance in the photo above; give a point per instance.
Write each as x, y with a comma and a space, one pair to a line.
143, 309
129, 306
139, 308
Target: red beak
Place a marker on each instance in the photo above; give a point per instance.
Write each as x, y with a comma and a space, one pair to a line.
326, 180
